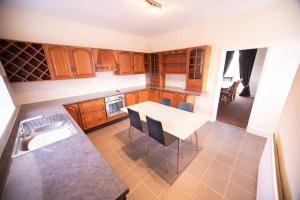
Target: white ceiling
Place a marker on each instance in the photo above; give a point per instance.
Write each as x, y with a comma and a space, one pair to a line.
136, 17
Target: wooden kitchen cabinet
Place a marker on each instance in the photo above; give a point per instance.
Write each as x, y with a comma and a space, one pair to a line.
178, 97
143, 95
74, 111
155, 95
83, 62
131, 98
106, 60
197, 68
59, 62
93, 113
168, 95
124, 63
69, 62
138, 63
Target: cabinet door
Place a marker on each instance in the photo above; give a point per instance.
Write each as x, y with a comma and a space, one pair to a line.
58, 58
143, 95
73, 110
178, 97
138, 63
92, 113
82, 59
124, 63
106, 60
168, 95
155, 95
131, 98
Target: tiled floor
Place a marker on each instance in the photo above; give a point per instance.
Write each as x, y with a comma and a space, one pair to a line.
225, 167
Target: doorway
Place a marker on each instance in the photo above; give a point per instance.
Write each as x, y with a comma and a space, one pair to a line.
242, 70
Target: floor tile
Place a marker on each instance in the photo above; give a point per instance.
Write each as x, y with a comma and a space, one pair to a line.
221, 169
156, 183
173, 193
246, 167
215, 181
120, 167
131, 179
234, 192
204, 192
247, 183
186, 183
142, 192
225, 158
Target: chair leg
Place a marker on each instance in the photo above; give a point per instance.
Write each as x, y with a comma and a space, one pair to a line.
148, 147
178, 155
166, 150
130, 134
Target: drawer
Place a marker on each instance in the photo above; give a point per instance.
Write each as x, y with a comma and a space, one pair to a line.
90, 105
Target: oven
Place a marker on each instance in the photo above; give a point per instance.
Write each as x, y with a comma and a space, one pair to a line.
114, 104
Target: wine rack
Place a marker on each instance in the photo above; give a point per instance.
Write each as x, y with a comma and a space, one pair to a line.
24, 61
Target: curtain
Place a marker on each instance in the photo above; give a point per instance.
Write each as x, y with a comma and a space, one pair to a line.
246, 60
229, 56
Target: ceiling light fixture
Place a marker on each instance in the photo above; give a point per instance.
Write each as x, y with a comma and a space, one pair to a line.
154, 3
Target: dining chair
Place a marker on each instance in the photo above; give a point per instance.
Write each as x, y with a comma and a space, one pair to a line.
235, 89
185, 106
156, 132
165, 101
228, 95
135, 121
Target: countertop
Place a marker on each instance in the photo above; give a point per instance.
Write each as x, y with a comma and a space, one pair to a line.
68, 169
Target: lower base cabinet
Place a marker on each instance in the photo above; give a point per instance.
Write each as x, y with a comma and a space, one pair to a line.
74, 111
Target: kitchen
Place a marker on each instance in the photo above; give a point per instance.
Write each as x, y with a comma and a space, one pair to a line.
98, 108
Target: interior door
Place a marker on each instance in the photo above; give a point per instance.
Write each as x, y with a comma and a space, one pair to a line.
138, 63
124, 62
83, 62
58, 58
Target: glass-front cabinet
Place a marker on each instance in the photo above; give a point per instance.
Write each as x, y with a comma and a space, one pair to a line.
197, 68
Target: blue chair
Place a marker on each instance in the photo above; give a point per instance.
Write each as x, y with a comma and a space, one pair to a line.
185, 106
156, 132
165, 101
135, 121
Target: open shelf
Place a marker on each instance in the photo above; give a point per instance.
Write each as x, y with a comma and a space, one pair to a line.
24, 61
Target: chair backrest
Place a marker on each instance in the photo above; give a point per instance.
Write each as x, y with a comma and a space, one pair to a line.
233, 87
185, 106
227, 78
165, 101
135, 119
155, 130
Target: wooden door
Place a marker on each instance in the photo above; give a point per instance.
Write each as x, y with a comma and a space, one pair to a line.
59, 62
82, 59
106, 60
138, 63
155, 95
143, 95
124, 63
131, 98
168, 95
73, 110
178, 97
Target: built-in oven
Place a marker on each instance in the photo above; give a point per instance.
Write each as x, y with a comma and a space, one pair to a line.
114, 104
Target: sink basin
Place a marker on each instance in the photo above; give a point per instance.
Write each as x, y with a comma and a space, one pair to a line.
41, 131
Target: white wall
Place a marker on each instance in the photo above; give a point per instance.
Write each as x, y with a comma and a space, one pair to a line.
276, 27
23, 25
175, 80
256, 71
288, 138
29, 92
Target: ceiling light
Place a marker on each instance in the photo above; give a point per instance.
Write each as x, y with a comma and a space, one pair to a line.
154, 3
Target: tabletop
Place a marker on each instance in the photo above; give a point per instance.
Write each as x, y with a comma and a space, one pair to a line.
177, 122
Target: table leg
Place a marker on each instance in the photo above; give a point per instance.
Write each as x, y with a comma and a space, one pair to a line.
197, 144
178, 155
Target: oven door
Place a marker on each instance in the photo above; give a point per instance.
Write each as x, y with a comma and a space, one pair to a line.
113, 107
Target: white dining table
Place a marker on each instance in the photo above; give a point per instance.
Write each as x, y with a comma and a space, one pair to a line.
179, 123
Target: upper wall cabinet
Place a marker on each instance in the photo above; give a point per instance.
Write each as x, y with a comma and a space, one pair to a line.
23, 61
124, 63
138, 63
106, 60
70, 62
83, 62
59, 61
197, 68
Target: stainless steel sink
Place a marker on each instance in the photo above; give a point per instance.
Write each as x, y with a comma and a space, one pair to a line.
41, 131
